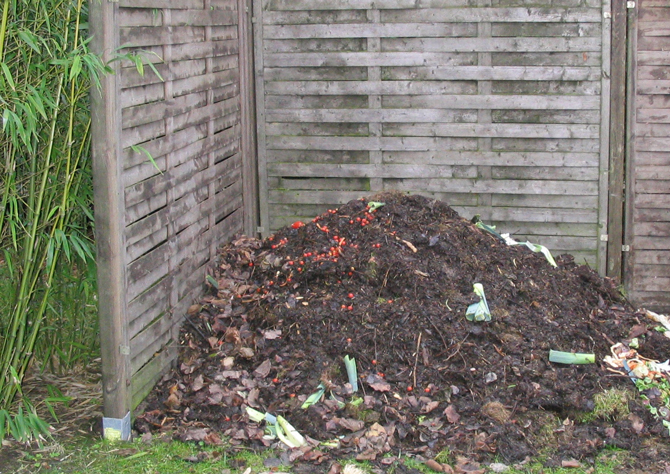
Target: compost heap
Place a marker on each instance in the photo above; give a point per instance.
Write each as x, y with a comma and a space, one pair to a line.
390, 286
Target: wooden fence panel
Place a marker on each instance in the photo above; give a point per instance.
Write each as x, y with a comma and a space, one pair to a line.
497, 108
184, 167
647, 269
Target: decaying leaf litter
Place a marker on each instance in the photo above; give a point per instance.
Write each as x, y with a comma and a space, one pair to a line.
386, 282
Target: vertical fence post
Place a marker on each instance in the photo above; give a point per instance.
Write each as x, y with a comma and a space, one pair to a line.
261, 148
247, 110
109, 226
628, 260
617, 139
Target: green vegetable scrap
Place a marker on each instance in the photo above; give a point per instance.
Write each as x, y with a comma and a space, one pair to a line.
315, 397
534, 247
571, 357
279, 427
491, 229
478, 311
374, 205
352, 372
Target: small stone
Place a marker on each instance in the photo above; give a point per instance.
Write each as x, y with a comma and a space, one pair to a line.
499, 467
228, 363
272, 462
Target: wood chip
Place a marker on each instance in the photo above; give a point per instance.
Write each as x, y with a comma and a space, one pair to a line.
410, 245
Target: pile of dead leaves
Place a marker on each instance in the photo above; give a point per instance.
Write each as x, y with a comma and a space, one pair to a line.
387, 281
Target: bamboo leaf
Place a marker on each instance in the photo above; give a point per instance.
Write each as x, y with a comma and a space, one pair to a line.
4, 417
8, 75
75, 69
212, 281
29, 38
36, 101
141, 149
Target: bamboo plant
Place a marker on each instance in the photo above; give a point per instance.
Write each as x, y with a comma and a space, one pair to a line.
45, 73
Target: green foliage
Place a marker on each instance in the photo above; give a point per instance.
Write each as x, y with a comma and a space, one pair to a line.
23, 427
46, 70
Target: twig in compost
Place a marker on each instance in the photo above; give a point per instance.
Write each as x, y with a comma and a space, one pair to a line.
416, 359
188, 318
444, 341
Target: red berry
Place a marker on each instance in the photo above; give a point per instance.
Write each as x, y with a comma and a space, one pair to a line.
350, 295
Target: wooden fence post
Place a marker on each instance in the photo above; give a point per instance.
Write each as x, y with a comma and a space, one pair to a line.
618, 139
247, 109
109, 226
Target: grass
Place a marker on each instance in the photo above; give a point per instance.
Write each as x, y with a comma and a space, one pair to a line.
90, 456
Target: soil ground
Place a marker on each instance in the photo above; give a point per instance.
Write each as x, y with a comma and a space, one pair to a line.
390, 287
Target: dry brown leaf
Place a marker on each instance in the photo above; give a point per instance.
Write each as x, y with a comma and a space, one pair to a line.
213, 342
173, 401
264, 369
195, 434
232, 336
430, 406
350, 424
213, 439
272, 334
219, 326
434, 465
377, 383
570, 463
229, 374
252, 398
246, 352
198, 384
467, 466
335, 468
636, 423
186, 369
452, 414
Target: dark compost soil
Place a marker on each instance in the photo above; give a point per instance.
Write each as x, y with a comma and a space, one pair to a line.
391, 288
